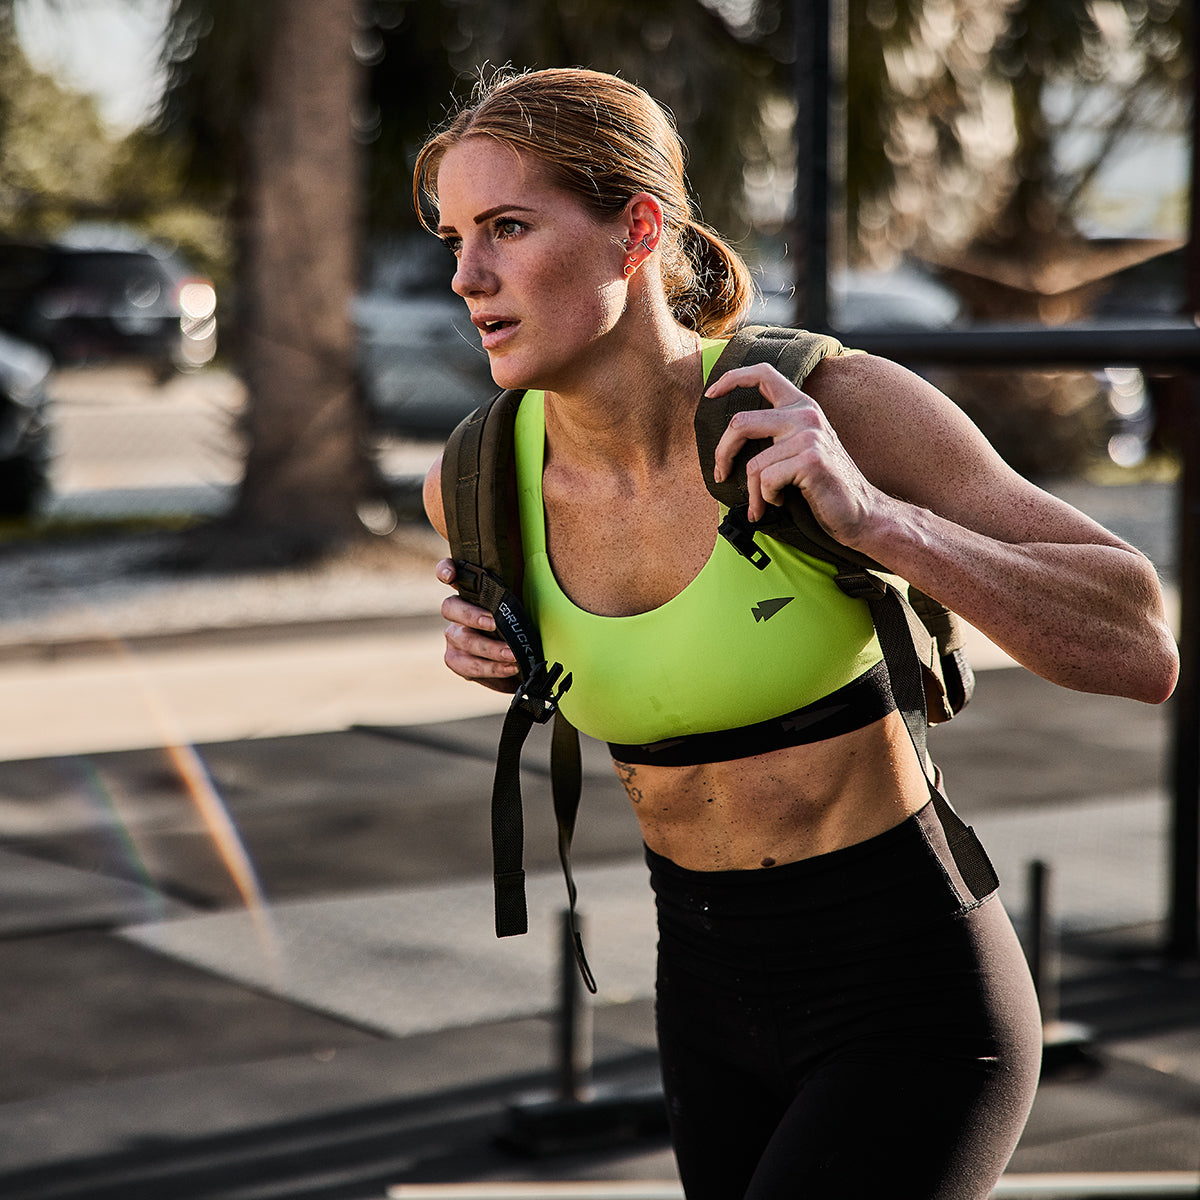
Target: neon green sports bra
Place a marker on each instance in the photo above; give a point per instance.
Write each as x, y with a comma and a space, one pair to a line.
737, 646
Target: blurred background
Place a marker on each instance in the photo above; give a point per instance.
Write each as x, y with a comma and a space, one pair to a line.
245, 946
221, 219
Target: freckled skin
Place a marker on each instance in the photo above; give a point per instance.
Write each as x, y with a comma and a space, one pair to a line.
778, 807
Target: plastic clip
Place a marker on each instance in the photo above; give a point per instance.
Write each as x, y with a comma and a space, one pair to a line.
738, 532
537, 696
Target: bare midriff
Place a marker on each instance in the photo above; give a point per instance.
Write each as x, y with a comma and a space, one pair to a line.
780, 807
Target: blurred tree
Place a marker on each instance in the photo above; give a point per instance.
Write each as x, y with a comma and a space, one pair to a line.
263, 101
975, 135
956, 114
950, 139
56, 158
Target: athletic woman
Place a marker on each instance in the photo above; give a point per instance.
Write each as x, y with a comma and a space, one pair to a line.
839, 1016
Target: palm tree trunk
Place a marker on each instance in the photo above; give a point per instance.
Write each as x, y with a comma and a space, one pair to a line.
307, 469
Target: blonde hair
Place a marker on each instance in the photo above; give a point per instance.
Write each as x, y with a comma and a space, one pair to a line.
605, 139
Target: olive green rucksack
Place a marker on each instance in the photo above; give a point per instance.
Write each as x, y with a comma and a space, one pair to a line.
921, 640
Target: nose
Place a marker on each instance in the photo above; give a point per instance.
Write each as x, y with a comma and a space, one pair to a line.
472, 277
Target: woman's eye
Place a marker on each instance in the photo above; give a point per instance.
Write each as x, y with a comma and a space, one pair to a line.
453, 244
508, 228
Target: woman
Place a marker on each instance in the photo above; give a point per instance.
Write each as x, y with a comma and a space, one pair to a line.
837, 1015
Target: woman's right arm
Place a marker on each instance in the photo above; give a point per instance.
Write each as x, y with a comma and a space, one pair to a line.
472, 648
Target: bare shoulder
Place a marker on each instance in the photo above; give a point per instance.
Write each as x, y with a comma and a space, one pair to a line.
915, 443
873, 401
432, 497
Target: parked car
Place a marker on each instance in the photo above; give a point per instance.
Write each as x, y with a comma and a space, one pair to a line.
24, 428
1117, 418
903, 299
94, 303
422, 365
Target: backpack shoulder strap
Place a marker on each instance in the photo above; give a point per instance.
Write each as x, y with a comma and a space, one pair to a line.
479, 497
920, 638
793, 353
483, 527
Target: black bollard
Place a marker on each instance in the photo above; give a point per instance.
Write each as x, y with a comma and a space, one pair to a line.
576, 1116
1066, 1045
574, 1021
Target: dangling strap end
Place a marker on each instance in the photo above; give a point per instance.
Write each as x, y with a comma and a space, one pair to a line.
512, 918
585, 972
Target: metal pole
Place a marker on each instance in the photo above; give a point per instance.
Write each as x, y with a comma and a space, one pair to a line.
1040, 937
812, 163
1183, 931
1183, 923
574, 1022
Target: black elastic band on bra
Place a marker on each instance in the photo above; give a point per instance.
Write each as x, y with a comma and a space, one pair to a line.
861, 702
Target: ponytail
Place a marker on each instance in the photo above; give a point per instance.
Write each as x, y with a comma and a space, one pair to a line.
713, 291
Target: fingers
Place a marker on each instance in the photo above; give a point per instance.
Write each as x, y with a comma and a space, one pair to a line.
473, 650
791, 411
774, 387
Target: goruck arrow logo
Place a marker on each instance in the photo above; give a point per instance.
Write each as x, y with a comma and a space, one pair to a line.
764, 610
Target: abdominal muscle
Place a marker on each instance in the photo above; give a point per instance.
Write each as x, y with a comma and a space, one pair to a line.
782, 806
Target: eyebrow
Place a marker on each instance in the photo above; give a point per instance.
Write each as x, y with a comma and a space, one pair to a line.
488, 214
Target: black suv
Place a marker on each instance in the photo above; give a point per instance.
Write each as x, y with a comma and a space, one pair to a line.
86, 304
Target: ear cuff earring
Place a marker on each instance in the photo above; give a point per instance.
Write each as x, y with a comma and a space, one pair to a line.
631, 266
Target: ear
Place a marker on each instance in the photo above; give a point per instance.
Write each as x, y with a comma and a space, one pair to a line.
643, 223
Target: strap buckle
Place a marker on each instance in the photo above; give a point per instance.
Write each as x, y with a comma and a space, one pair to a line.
538, 697
738, 532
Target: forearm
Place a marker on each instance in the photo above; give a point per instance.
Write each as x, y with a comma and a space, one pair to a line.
1085, 616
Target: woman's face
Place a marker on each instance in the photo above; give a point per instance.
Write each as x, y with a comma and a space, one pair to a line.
541, 275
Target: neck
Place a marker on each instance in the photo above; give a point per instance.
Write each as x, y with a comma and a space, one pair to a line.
636, 410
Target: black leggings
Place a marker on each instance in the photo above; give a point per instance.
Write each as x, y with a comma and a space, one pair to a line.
849, 1026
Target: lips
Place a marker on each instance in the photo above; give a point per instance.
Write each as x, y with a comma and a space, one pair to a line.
494, 329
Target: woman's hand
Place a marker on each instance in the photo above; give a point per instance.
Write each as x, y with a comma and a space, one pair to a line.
805, 453
473, 650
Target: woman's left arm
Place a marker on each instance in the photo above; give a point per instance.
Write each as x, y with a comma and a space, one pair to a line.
894, 469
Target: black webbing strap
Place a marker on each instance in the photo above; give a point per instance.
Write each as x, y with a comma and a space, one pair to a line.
508, 827
566, 781
535, 702
908, 687
901, 632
